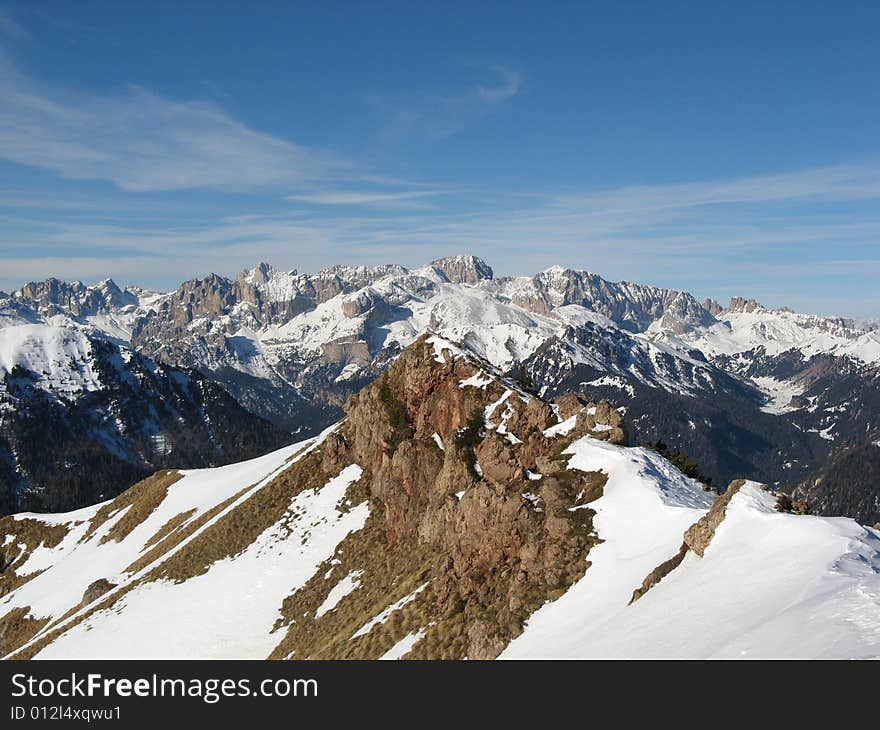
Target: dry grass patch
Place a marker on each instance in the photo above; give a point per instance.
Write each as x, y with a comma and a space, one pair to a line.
29, 533
16, 628
141, 499
180, 532
238, 529
169, 527
389, 573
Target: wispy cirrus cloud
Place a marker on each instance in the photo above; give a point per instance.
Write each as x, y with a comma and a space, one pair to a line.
834, 183
507, 87
438, 115
141, 141
366, 198
809, 237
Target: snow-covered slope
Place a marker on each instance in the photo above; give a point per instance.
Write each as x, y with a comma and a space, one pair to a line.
84, 555
769, 584
778, 331
82, 417
227, 611
60, 357
167, 619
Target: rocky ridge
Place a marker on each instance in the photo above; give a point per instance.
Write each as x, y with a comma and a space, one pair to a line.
442, 518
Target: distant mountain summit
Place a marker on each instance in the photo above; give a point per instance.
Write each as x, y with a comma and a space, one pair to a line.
462, 269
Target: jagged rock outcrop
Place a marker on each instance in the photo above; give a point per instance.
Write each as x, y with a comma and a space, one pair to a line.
465, 269
569, 404
444, 445
713, 307
634, 307
96, 590
739, 304
683, 313
696, 539
54, 296
700, 534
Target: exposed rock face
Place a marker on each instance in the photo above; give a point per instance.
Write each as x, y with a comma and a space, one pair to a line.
96, 590
54, 296
366, 301
683, 313
446, 448
346, 352
738, 304
498, 462
260, 274
198, 305
632, 306
696, 539
700, 534
569, 404
603, 422
713, 307
463, 269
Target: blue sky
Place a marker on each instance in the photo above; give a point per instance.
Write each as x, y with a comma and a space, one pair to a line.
724, 150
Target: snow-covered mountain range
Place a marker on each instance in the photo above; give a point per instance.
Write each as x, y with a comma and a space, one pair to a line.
746, 391
83, 416
451, 514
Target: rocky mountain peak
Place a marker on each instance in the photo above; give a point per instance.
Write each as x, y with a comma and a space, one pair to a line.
258, 275
683, 313
741, 305
114, 295
462, 463
438, 394
463, 269
53, 296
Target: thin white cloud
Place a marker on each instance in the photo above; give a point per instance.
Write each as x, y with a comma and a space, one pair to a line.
438, 115
509, 87
141, 141
832, 183
695, 235
363, 198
